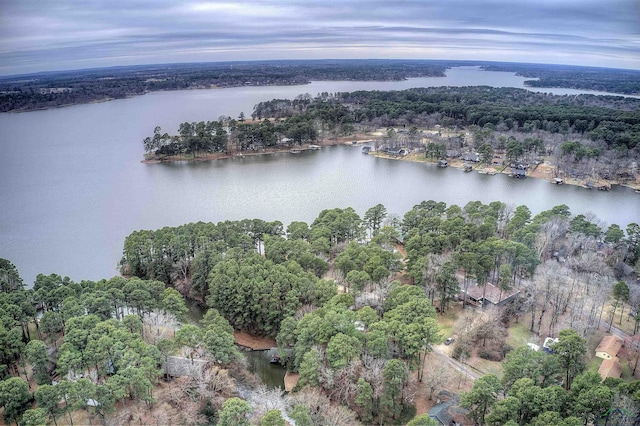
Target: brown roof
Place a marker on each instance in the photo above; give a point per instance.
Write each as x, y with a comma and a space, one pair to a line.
491, 293
610, 368
610, 345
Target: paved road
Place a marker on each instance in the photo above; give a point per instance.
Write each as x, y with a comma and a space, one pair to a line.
615, 331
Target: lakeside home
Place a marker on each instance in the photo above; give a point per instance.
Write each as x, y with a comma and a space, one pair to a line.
518, 173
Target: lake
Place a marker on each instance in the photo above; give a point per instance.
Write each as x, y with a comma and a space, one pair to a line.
72, 186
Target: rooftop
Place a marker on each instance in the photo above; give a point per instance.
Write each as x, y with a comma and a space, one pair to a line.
610, 345
610, 368
491, 293
449, 413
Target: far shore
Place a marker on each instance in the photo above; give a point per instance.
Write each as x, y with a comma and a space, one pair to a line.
133, 95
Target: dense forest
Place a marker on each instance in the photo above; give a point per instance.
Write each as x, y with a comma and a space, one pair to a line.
46, 90
356, 306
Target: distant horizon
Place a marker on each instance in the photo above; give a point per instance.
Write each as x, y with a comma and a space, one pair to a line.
43, 35
471, 62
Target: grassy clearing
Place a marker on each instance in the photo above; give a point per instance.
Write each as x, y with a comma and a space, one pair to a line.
626, 372
485, 366
519, 335
447, 320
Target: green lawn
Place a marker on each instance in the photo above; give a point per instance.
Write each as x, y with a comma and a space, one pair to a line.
593, 364
518, 335
626, 372
447, 320
485, 366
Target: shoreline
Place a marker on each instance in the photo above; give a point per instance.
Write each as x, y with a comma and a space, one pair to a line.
209, 87
293, 149
254, 343
526, 86
543, 171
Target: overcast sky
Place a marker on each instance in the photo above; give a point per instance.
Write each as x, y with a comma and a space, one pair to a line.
42, 35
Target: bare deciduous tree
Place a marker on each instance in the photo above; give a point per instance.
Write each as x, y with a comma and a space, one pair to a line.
263, 400
435, 376
547, 239
321, 409
543, 282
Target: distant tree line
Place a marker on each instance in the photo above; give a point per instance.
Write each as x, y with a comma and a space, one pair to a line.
46, 90
584, 78
613, 120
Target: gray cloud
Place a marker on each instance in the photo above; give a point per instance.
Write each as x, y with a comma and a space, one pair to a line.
39, 35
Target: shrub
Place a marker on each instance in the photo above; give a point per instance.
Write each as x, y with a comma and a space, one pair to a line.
491, 355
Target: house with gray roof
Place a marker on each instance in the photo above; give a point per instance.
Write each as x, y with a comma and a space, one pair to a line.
449, 412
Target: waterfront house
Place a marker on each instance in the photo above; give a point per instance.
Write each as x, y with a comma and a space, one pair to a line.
518, 173
474, 158
443, 163
519, 165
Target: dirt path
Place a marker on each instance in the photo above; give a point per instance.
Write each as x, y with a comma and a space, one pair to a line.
457, 365
255, 343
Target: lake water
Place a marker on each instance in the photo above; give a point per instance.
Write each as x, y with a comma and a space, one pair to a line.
72, 186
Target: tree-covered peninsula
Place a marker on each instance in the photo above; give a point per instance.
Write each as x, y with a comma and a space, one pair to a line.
592, 139
373, 316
